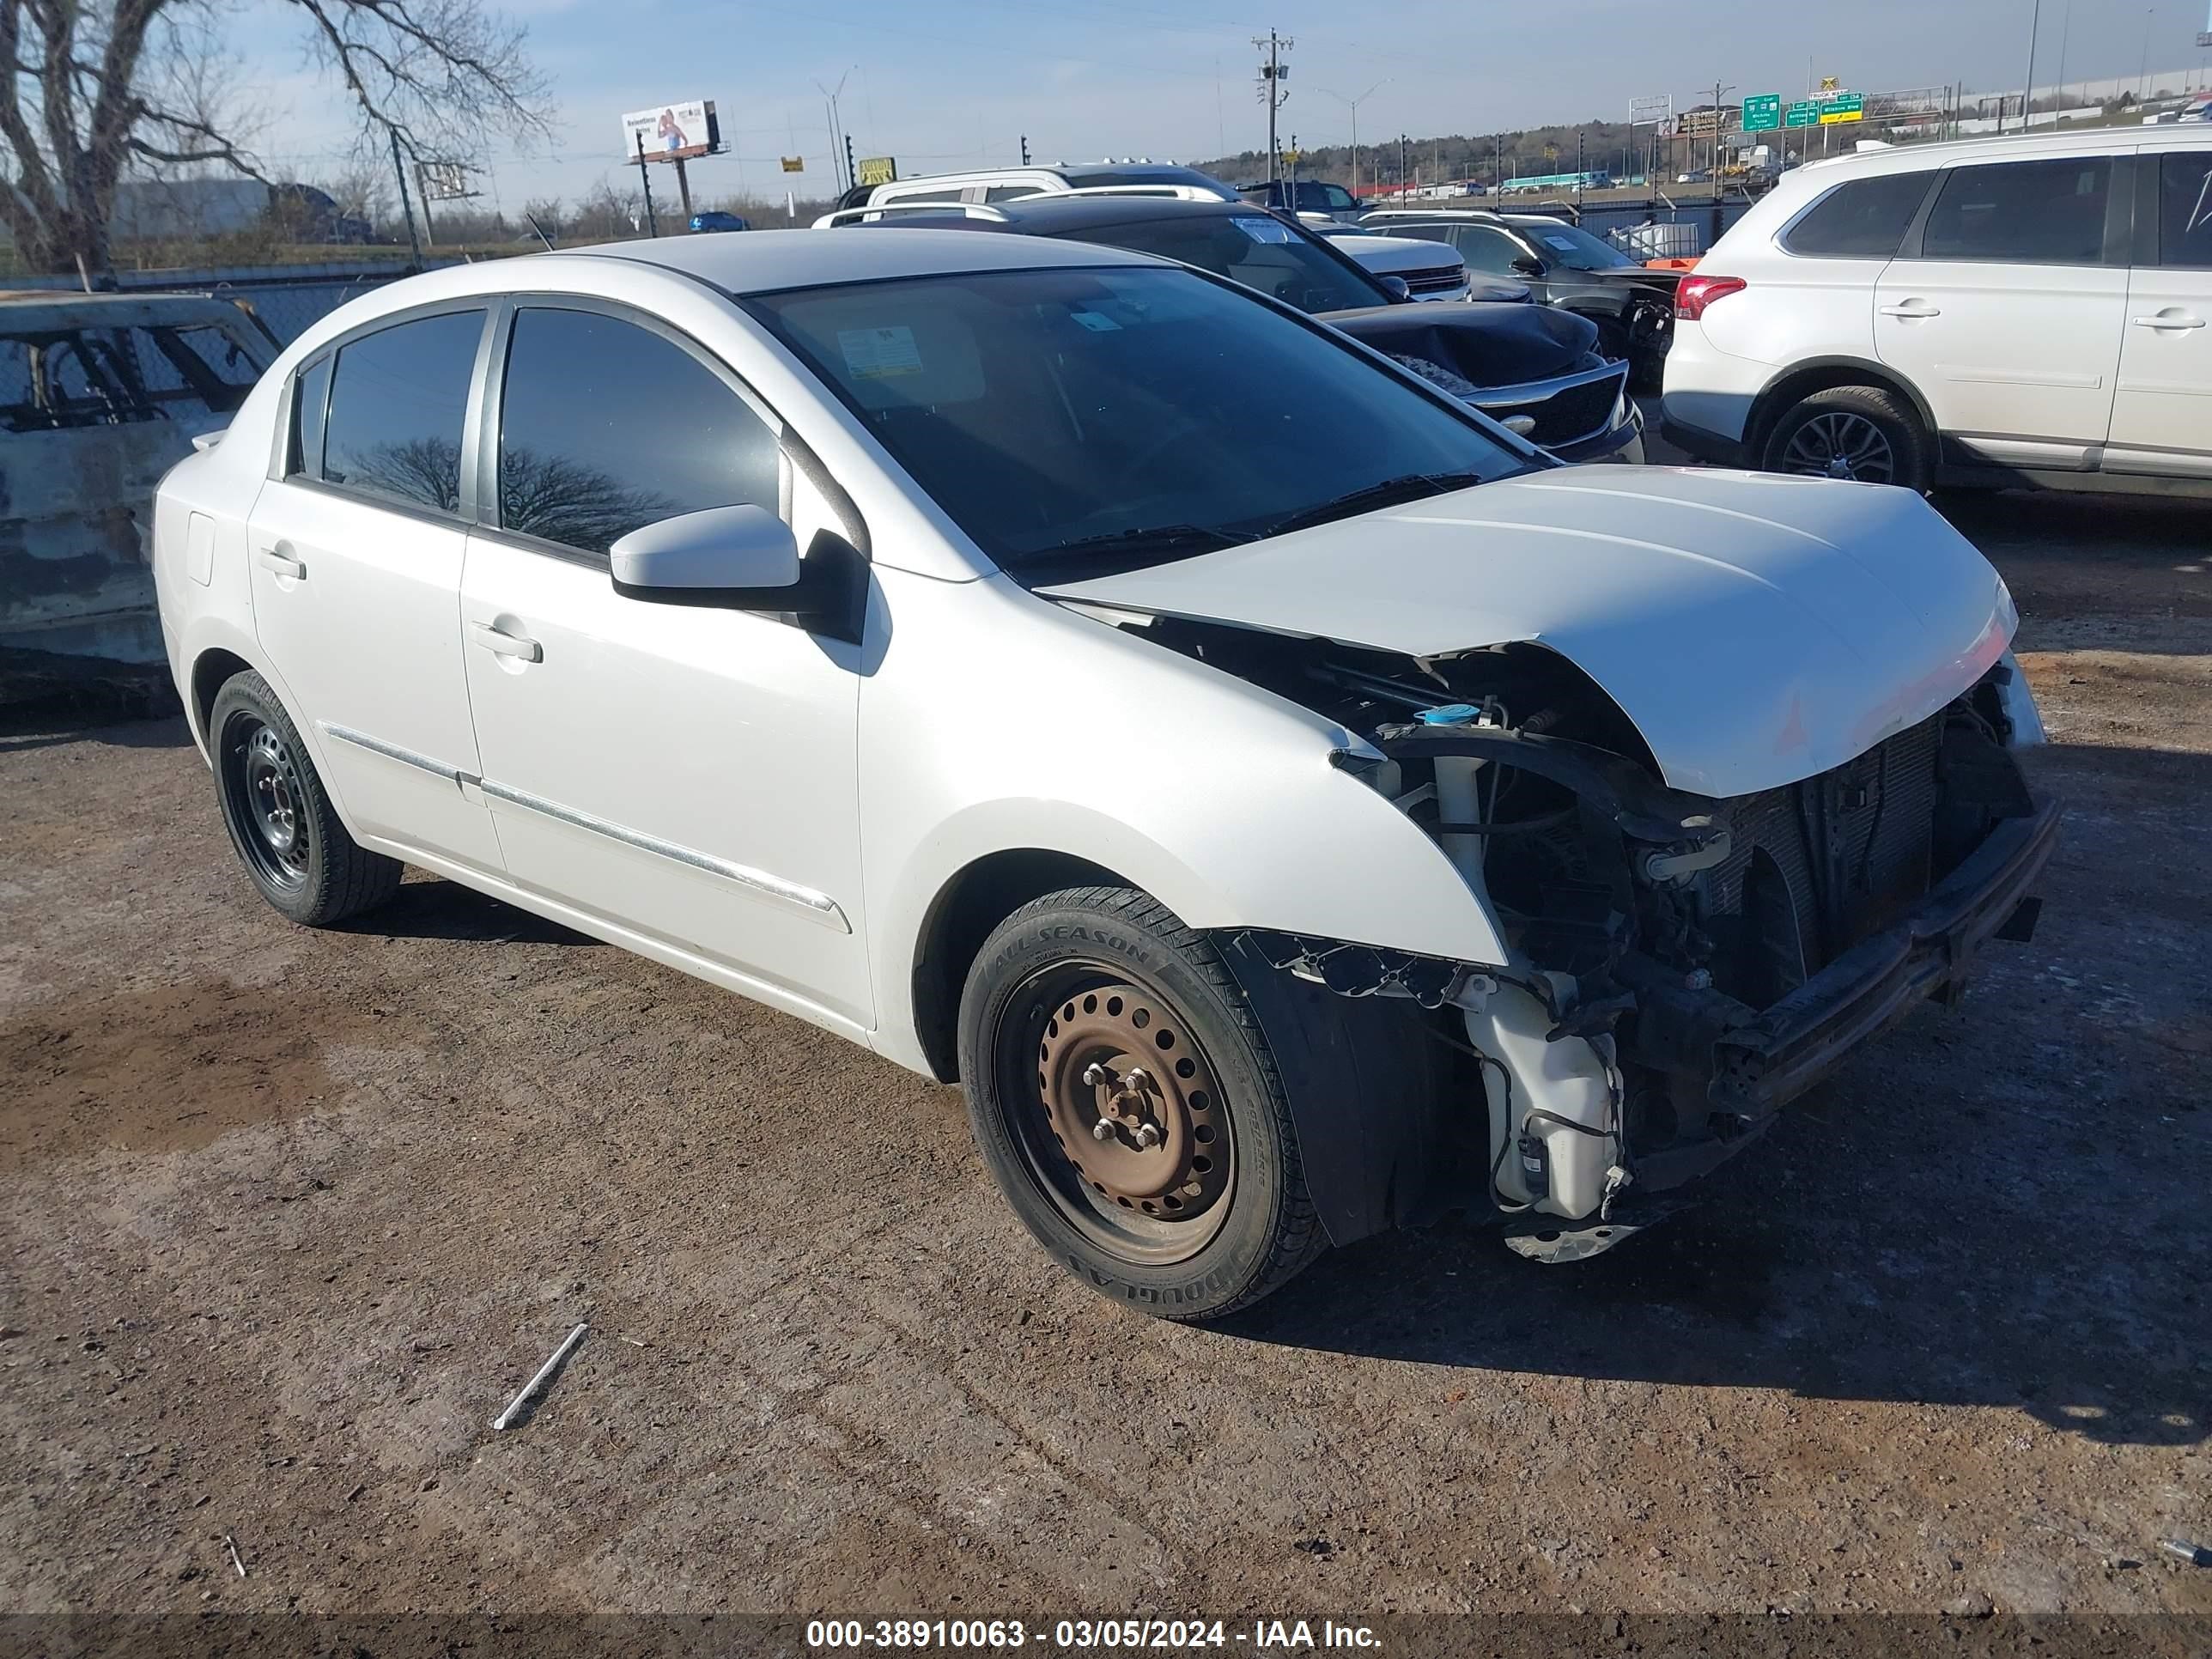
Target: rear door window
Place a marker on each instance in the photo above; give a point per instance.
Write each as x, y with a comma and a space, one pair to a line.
2184, 209
2029, 213
1865, 219
399, 399
607, 427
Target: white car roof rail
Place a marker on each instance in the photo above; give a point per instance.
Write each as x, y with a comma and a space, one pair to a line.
1173, 192
855, 216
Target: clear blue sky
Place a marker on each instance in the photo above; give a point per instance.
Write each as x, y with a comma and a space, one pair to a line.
957, 82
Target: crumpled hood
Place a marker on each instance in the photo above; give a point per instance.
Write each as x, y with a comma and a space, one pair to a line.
1757, 629
1490, 345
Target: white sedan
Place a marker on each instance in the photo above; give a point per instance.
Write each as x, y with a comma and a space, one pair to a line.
1291, 805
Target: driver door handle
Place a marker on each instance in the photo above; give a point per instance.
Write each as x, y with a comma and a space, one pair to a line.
279, 560
503, 644
2169, 322
1911, 309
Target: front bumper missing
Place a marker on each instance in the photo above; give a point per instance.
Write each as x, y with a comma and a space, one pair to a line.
1762, 1066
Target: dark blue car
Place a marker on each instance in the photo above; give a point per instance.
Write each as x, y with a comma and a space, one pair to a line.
720, 222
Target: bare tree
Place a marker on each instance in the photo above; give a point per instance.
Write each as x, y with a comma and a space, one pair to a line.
607, 214
362, 189
544, 217
89, 88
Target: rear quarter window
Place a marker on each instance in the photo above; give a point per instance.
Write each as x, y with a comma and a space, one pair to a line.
1864, 219
2184, 209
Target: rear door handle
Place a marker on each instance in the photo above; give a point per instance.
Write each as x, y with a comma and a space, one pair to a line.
1910, 309
2169, 322
503, 644
279, 560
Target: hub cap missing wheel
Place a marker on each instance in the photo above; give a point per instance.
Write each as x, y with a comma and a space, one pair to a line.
1133, 1104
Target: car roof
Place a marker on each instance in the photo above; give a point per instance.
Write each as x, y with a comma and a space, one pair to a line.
1908, 158
49, 307
767, 261
1053, 215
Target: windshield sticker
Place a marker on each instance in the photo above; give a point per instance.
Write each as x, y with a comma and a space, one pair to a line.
1097, 321
1564, 244
1264, 230
879, 353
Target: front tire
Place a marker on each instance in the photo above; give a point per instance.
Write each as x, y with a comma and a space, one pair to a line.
1864, 432
280, 817
1124, 1097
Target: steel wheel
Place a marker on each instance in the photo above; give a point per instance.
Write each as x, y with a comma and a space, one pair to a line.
1118, 1115
271, 799
1838, 444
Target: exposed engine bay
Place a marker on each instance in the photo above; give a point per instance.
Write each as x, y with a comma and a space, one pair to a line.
1680, 967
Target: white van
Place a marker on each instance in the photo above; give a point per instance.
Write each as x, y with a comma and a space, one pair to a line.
2014, 311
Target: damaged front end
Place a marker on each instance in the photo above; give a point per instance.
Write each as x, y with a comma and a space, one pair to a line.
1678, 968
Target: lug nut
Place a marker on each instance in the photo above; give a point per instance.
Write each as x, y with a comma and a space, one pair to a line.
1103, 1130
1095, 1074
1148, 1135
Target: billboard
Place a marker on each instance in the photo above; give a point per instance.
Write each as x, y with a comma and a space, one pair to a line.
671, 132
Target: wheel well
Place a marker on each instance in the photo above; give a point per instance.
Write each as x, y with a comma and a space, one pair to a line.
1802, 382
971, 904
209, 674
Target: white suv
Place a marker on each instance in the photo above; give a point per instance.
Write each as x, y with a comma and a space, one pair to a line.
2020, 311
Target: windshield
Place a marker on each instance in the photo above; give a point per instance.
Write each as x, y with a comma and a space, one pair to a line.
1574, 247
1081, 421
1255, 249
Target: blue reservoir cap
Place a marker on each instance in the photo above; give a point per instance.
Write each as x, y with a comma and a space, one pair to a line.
1452, 714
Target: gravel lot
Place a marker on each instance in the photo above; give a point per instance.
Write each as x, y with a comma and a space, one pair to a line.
289, 1217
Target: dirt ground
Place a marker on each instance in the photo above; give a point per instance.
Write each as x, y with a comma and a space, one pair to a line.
289, 1216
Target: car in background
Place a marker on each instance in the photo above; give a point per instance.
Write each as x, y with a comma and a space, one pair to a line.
2196, 112
1431, 271
715, 220
1535, 370
989, 184
1631, 304
2027, 311
1305, 197
103, 394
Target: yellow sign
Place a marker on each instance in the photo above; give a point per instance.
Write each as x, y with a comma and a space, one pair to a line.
877, 170
795, 164
1829, 83
1291, 156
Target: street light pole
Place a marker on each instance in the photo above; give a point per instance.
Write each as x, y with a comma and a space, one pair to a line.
836, 129
1352, 104
2027, 87
2142, 76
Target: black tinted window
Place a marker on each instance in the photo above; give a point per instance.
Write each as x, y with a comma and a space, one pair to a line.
2035, 213
309, 404
605, 426
2184, 209
1865, 219
397, 401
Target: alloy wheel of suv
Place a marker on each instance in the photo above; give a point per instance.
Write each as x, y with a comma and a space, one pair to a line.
1863, 433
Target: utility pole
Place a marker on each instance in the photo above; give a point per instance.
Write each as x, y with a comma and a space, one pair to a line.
852, 169
1720, 121
1273, 75
1026, 149
1498, 171
2142, 79
405, 206
2027, 87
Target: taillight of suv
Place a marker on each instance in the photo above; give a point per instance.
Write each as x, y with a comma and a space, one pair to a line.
1697, 292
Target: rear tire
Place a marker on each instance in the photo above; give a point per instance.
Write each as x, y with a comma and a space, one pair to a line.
280, 817
1863, 432
1125, 1100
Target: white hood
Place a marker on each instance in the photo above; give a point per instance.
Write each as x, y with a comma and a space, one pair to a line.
1757, 629
1392, 255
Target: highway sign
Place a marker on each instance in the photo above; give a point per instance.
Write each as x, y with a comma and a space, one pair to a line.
1842, 106
1762, 112
1803, 113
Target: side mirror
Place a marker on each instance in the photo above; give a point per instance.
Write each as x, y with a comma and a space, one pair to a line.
1396, 287
743, 558
1526, 264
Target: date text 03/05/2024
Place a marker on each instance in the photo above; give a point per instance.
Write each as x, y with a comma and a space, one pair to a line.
1086, 1634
